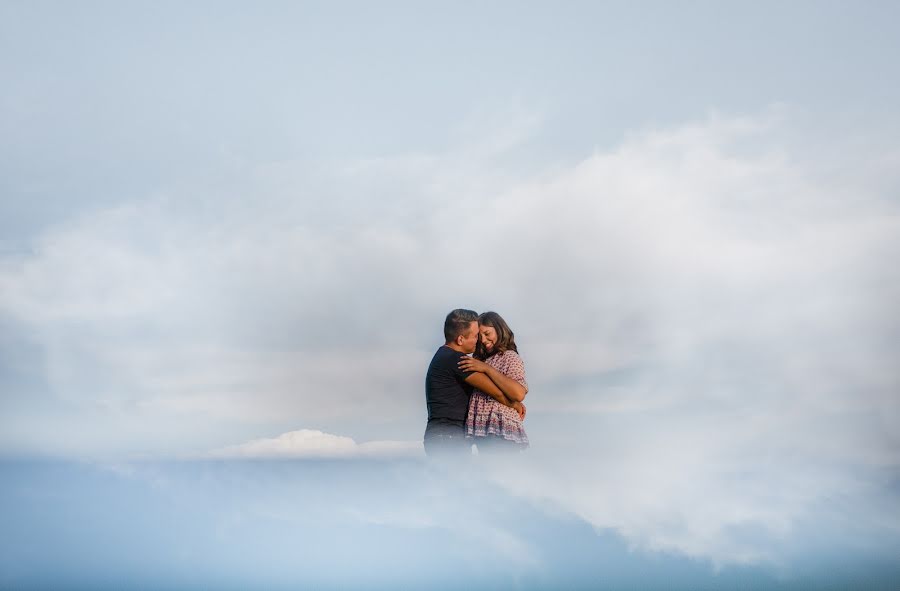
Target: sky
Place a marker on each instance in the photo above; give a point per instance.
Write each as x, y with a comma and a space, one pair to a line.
234, 231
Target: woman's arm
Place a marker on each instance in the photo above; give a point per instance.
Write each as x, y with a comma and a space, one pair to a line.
510, 388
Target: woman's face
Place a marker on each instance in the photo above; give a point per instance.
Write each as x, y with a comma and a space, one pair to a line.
488, 337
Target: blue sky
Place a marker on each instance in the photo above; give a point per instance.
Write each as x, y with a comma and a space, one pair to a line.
223, 224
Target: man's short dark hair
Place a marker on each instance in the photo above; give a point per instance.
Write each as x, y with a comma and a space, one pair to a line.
458, 322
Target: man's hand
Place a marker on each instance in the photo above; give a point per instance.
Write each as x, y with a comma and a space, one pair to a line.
471, 364
519, 408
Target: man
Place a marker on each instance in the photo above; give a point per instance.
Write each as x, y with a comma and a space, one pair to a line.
447, 387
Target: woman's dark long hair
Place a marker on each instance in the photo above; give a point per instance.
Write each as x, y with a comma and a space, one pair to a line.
506, 340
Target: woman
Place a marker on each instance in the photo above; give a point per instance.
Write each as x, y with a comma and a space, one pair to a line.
493, 426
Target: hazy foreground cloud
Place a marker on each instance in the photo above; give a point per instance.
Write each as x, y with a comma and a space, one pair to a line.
230, 235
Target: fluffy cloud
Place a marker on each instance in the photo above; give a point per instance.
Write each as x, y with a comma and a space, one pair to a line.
309, 443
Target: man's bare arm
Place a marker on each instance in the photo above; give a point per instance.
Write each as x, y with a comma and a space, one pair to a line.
484, 383
512, 389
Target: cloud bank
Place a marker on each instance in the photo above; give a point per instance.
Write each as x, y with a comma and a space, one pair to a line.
693, 265
705, 312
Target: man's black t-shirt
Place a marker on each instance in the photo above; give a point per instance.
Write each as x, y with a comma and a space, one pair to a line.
446, 391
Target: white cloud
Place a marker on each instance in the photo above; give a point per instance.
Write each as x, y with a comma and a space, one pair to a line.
310, 443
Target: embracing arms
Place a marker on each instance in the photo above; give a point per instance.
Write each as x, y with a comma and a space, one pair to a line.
510, 388
486, 385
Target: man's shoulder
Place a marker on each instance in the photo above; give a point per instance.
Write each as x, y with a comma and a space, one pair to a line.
446, 363
445, 352
444, 355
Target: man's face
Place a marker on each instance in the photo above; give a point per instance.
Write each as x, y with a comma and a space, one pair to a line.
468, 340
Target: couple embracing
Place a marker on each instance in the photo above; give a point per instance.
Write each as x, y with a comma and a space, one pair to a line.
475, 399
